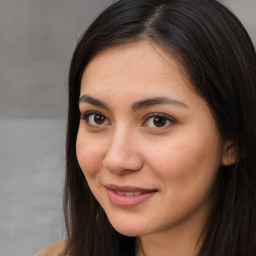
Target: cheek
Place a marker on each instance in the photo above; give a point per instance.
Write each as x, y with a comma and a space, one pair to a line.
89, 155
187, 172
183, 161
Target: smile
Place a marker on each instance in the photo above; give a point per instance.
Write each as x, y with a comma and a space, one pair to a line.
128, 193
128, 196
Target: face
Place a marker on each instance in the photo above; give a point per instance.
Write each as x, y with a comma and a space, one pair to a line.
147, 143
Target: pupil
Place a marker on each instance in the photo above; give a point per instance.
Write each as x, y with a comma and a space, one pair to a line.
159, 121
98, 119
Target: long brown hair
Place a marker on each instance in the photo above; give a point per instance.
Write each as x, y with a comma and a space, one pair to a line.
220, 60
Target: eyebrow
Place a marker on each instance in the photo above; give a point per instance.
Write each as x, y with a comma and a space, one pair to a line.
137, 105
157, 101
93, 101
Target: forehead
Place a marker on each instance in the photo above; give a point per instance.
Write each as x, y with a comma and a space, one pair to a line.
144, 61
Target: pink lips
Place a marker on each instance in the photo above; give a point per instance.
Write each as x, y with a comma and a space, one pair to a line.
128, 196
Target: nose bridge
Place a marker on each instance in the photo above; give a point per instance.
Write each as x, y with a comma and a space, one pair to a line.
122, 153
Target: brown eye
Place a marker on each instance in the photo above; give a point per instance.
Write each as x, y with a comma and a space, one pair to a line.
159, 121
95, 119
99, 119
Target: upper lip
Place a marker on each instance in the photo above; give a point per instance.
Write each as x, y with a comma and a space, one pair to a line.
128, 188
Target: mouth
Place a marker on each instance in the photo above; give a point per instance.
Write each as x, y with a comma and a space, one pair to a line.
128, 196
128, 193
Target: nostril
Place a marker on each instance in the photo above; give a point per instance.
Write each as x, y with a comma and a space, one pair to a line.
121, 163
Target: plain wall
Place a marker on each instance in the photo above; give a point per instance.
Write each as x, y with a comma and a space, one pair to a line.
37, 41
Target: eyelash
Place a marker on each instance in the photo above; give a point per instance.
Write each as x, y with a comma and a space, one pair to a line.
170, 120
87, 115
165, 117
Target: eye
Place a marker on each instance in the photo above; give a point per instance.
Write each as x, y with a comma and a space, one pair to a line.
158, 121
95, 119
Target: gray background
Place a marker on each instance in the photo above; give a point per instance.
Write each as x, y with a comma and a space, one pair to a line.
37, 41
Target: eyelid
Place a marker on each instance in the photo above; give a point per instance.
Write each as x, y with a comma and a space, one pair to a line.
87, 113
84, 116
167, 117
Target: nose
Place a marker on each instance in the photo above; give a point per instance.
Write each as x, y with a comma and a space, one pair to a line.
122, 155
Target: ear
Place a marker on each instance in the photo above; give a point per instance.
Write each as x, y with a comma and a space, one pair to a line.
229, 153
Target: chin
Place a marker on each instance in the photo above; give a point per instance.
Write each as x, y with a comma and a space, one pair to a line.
129, 228
131, 232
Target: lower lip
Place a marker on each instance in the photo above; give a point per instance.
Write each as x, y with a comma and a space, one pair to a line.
128, 201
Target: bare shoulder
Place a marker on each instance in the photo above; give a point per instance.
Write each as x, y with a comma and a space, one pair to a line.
55, 249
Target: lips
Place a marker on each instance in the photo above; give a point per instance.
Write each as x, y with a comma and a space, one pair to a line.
128, 196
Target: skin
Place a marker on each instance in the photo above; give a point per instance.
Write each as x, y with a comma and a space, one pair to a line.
179, 159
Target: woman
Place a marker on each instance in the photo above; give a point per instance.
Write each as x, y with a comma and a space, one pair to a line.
161, 133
